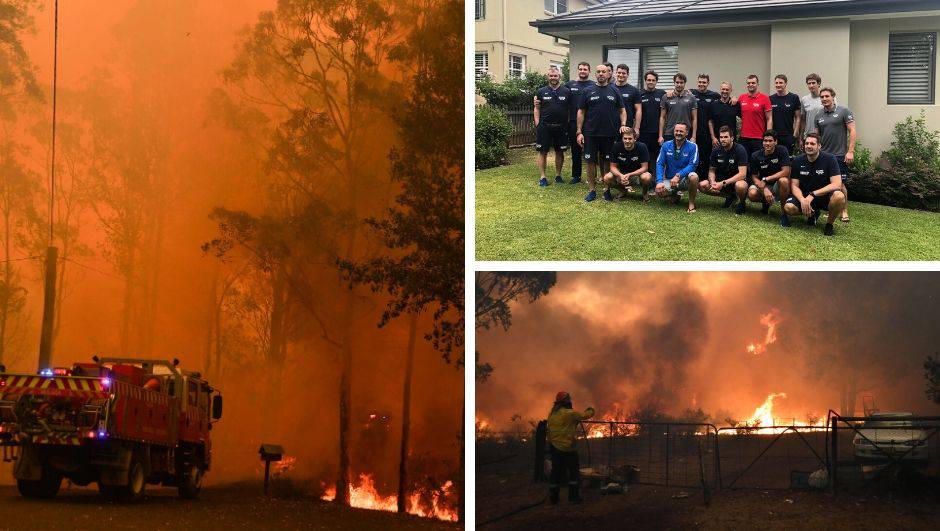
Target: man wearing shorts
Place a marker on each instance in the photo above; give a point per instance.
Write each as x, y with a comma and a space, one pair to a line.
650, 102
600, 119
815, 184
770, 174
786, 108
551, 122
727, 171
577, 88
836, 127
629, 164
675, 167
705, 99
756, 116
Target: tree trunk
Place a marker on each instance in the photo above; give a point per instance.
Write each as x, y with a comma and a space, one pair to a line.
7, 294
406, 414
275, 354
210, 318
127, 310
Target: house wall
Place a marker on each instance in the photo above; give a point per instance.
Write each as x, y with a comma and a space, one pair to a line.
850, 56
868, 74
724, 55
506, 30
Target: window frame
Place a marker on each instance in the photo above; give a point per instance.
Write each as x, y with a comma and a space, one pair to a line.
509, 69
479, 7
640, 65
933, 70
555, 12
486, 66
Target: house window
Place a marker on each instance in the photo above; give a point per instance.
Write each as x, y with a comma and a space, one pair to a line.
482, 65
556, 7
912, 67
664, 59
556, 64
480, 9
516, 65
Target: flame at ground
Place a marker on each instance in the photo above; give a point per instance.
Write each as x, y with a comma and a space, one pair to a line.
364, 496
596, 431
770, 320
764, 416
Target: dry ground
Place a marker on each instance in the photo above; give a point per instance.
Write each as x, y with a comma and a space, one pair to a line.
507, 485
234, 506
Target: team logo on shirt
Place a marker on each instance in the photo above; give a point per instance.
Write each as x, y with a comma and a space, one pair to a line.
562, 98
658, 99
787, 105
773, 160
730, 161
611, 98
634, 159
804, 173
594, 98
755, 104
820, 172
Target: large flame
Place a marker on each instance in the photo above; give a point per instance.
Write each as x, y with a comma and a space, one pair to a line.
365, 496
617, 415
770, 320
764, 416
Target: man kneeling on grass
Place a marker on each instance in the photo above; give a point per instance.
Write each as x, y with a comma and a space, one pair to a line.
675, 167
727, 172
630, 161
770, 173
816, 184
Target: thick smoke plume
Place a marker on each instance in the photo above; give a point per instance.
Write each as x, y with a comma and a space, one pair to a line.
668, 342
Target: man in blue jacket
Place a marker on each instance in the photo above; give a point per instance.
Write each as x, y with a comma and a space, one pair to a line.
675, 167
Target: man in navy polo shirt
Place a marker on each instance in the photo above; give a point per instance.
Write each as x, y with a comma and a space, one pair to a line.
786, 110
727, 171
815, 184
551, 122
725, 111
600, 119
770, 173
629, 164
650, 103
705, 98
577, 88
630, 96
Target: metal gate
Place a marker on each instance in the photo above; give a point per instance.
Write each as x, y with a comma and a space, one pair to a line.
652, 453
523, 125
770, 457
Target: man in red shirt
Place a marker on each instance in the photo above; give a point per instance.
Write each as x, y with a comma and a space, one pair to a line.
756, 116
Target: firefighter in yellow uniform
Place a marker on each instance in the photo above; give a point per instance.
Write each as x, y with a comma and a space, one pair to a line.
562, 433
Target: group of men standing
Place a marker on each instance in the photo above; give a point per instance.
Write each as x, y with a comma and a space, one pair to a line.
691, 139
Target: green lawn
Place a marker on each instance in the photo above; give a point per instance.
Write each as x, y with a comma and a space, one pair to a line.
518, 220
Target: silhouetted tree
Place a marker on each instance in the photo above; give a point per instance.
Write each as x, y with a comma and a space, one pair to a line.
932, 374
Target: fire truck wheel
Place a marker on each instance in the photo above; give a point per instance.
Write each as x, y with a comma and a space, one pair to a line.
190, 483
136, 481
47, 486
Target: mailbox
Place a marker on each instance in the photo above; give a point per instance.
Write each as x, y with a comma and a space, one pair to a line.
269, 452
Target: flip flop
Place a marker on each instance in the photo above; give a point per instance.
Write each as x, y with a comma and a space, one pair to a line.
691, 210
845, 219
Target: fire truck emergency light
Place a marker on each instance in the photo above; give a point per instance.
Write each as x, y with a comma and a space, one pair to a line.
106, 382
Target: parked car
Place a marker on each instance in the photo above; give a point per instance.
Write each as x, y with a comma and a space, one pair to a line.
886, 436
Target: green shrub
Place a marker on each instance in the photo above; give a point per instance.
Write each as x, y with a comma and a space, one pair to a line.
912, 185
492, 136
907, 175
513, 91
862, 162
914, 144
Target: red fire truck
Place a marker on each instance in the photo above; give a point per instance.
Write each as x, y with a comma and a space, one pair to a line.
122, 423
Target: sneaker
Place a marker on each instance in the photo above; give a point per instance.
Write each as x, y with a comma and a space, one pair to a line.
811, 219
784, 220
828, 230
575, 180
738, 210
765, 208
607, 196
558, 179
543, 182
592, 195
729, 201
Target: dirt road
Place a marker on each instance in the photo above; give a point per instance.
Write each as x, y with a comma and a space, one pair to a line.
238, 506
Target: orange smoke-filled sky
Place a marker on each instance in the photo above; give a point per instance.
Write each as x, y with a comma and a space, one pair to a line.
680, 340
